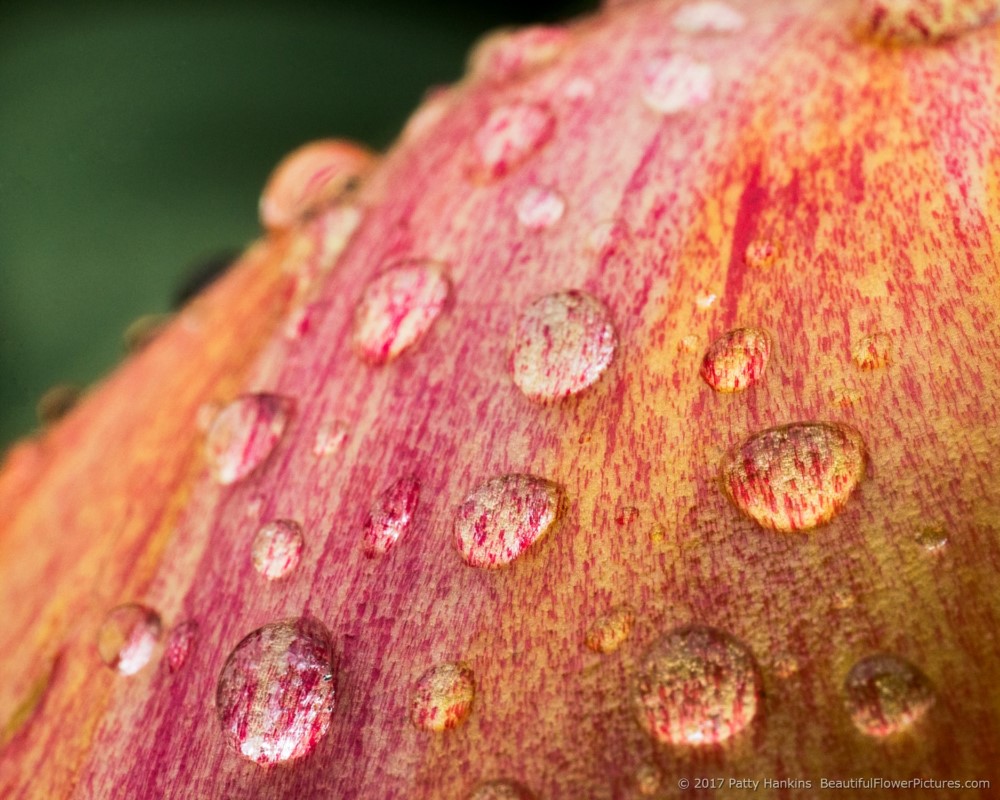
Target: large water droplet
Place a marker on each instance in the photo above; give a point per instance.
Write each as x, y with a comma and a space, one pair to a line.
506, 54
398, 308
674, 82
885, 694
443, 697
540, 208
610, 631
277, 548
309, 178
179, 644
564, 343
709, 16
127, 637
873, 351
510, 136
795, 477
275, 694
697, 686
736, 360
504, 517
390, 516
914, 21
501, 790
244, 434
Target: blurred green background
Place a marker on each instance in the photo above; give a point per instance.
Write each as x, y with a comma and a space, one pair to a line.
135, 138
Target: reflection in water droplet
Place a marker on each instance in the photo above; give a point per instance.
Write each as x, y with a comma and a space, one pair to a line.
398, 308
309, 178
609, 632
736, 360
674, 82
709, 16
506, 54
540, 208
244, 434
795, 477
275, 694
127, 637
510, 136
872, 352
179, 644
501, 790
933, 540
277, 548
885, 694
697, 686
761, 254
916, 21
647, 780
330, 437
504, 517
443, 697
564, 343
390, 516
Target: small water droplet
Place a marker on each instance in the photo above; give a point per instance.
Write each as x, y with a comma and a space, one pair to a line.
244, 434
647, 780
625, 514
503, 517
277, 548
689, 344
736, 360
785, 665
674, 82
273, 697
501, 790
601, 235
127, 637
709, 16
761, 254
179, 644
443, 697
657, 533
795, 477
398, 308
610, 631
916, 21
872, 352
330, 437
510, 136
933, 539
705, 301
143, 330
390, 516
579, 89
56, 402
540, 208
697, 686
309, 178
845, 398
885, 694
843, 599
505, 54
564, 343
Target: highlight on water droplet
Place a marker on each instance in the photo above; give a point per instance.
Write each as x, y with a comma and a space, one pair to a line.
505, 516
390, 516
506, 54
708, 16
309, 178
277, 548
501, 790
922, 21
511, 135
275, 695
563, 344
795, 477
697, 686
675, 82
540, 208
330, 437
885, 694
244, 434
398, 308
873, 351
179, 644
761, 254
647, 780
610, 631
736, 360
127, 637
932, 539
443, 697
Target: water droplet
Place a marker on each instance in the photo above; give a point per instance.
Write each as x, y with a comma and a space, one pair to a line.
579, 89
843, 599
128, 637
501, 790
657, 533
845, 398
689, 344
885, 694
244, 434
309, 178
506, 54
564, 343
736, 360
795, 477
503, 517
933, 540
647, 780
277, 548
601, 235
626, 515
872, 352
398, 308
610, 631
179, 644
443, 697
390, 516
56, 402
705, 301
915, 21
761, 254
330, 437
275, 695
709, 16
674, 82
540, 208
697, 686
510, 136
785, 665
143, 330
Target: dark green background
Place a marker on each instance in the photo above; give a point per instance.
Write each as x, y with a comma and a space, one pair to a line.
135, 138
